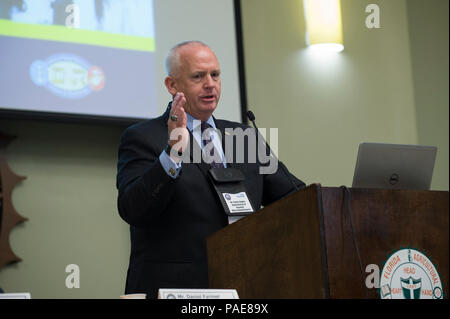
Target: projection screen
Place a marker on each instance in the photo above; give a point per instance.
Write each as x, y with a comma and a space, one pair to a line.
104, 59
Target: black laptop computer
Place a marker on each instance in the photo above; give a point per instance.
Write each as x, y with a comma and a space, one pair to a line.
394, 166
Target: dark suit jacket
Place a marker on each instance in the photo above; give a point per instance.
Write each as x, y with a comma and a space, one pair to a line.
171, 218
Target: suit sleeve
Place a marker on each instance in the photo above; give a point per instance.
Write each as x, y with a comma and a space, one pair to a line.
144, 187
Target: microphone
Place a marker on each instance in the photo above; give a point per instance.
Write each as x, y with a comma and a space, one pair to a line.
252, 118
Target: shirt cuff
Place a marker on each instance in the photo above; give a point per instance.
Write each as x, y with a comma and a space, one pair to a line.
172, 169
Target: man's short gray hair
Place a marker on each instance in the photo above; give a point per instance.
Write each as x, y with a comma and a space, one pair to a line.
172, 60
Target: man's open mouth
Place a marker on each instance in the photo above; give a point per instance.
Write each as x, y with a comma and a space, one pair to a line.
208, 98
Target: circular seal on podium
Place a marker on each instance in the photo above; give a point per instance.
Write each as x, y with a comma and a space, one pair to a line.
409, 274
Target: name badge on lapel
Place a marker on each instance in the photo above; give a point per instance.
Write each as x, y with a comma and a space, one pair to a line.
230, 187
238, 203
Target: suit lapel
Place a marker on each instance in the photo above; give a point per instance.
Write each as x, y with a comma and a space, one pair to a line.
221, 129
196, 154
220, 125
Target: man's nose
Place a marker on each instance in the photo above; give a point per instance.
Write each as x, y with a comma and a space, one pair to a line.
209, 81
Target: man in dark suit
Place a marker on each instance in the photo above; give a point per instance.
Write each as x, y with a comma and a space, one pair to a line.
170, 202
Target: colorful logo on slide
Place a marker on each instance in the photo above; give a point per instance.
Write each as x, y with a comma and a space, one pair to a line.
409, 274
67, 76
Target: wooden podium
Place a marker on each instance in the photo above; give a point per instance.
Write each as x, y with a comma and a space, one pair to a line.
317, 242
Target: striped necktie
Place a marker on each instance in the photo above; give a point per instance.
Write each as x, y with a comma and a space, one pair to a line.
213, 156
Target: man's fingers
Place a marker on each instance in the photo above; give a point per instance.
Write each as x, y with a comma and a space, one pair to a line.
177, 110
178, 101
182, 118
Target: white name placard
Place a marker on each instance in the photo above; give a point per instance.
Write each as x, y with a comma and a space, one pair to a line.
16, 295
197, 294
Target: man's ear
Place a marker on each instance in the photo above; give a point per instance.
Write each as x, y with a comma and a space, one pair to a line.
171, 85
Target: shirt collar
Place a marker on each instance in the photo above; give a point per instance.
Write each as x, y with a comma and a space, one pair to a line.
190, 122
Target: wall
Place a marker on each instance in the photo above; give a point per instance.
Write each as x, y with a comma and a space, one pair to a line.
325, 106
428, 30
69, 197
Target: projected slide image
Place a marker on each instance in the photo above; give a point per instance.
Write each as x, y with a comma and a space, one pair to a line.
91, 57
131, 17
67, 76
